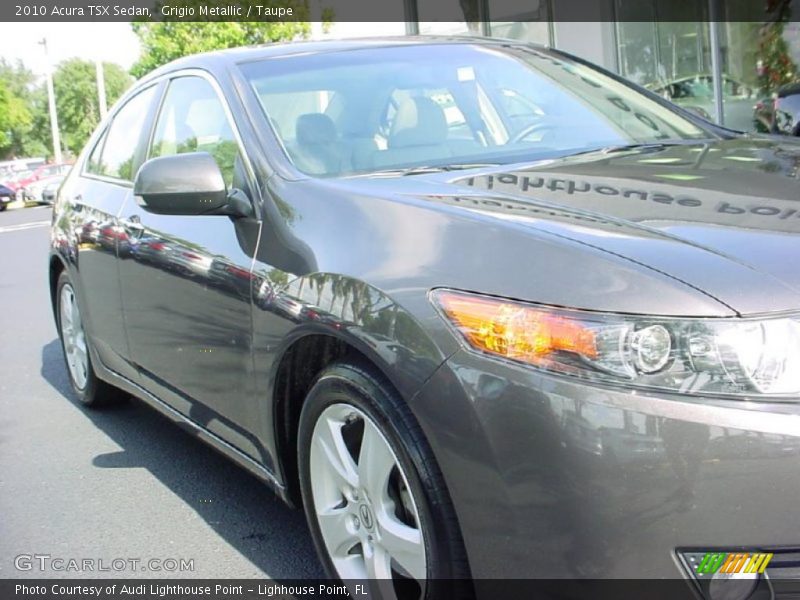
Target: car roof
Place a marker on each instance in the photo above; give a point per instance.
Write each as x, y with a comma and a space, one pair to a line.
222, 58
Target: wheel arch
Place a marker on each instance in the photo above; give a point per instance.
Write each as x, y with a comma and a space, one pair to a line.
329, 317
297, 369
55, 268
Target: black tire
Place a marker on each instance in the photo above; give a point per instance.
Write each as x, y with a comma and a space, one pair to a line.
3, 206
96, 392
359, 384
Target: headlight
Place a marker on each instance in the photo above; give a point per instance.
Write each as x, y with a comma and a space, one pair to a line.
723, 356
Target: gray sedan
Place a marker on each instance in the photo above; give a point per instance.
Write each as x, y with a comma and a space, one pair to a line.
483, 310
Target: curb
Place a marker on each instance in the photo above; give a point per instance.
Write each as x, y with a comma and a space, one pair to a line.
21, 204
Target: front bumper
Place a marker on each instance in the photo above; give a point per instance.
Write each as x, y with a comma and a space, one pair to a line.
554, 478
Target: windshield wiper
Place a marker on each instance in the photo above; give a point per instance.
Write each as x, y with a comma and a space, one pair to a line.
641, 146
637, 146
424, 169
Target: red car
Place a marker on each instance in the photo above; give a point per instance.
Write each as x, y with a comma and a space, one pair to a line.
39, 173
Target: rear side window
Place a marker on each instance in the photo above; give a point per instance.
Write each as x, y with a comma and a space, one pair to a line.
94, 165
193, 119
114, 154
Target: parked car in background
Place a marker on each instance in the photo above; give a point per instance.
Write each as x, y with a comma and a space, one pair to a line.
696, 92
7, 196
13, 180
786, 110
32, 178
482, 309
34, 192
764, 115
50, 189
9, 169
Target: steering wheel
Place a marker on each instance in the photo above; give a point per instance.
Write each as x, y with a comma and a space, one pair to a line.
530, 130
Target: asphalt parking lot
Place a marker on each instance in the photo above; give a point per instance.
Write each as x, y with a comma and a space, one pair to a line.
120, 482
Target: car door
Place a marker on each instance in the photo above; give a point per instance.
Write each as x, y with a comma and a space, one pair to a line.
93, 200
186, 279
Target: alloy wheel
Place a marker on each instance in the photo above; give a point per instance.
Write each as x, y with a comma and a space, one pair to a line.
363, 504
73, 337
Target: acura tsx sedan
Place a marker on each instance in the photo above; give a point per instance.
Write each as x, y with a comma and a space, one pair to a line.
484, 310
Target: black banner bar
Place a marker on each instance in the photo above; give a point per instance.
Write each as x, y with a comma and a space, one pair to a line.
464, 11
751, 588
239, 589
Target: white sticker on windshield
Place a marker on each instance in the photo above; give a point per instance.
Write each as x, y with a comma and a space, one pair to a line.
466, 74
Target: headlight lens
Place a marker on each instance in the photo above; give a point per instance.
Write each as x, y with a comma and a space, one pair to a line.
725, 356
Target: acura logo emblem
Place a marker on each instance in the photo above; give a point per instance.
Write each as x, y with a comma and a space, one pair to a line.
366, 516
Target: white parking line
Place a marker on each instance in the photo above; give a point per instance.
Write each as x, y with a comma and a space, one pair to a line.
22, 226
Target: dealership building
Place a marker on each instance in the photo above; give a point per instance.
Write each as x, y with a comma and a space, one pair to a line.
722, 58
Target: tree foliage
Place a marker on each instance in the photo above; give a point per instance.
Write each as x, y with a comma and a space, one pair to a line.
24, 112
77, 103
165, 41
16, 117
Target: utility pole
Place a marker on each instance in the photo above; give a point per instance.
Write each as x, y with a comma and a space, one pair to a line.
101, 89
51, 102
716, 61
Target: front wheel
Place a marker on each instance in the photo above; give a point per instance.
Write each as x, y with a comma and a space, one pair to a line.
90, 390
374, 498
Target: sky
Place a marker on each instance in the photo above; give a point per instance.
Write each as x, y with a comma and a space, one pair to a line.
116, 42
111, 42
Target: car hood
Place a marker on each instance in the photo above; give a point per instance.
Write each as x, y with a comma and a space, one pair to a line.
722, 217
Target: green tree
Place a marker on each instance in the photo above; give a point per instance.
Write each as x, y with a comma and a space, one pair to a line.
774, 62
14, 120
16, 116
165, 41
77, 103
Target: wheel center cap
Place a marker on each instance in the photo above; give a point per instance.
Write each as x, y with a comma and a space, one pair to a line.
366, 516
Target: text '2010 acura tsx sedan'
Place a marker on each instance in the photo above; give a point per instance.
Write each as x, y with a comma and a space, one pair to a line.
484, 310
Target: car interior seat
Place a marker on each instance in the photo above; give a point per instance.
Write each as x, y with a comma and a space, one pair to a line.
418, 133
318, 149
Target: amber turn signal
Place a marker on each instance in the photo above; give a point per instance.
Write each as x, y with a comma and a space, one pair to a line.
517, 331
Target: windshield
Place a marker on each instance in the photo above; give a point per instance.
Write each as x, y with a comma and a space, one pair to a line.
448, 104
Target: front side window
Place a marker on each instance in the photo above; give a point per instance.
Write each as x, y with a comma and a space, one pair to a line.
193, 119
114, 154
450, 104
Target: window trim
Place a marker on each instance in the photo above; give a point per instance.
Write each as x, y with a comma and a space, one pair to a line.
99, 144
162, 81
167, 79
103, 137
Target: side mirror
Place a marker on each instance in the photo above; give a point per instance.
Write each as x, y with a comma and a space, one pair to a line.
186, 184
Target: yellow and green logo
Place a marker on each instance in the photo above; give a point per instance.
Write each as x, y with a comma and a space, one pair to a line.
734, 562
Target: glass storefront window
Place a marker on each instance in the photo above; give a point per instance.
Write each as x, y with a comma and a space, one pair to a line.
432, 14
527, 21
669, 57
758, 61
666, 46
526, 31
673, 58
448, 28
